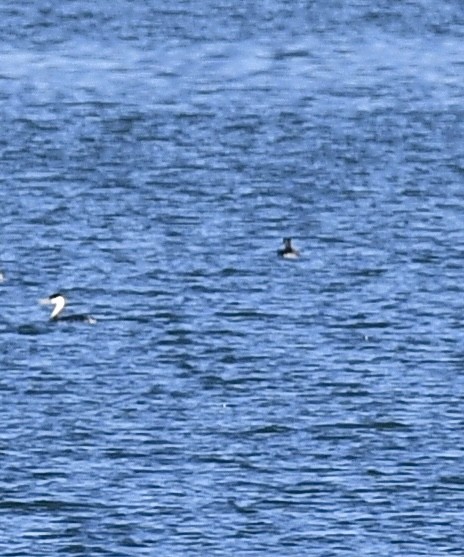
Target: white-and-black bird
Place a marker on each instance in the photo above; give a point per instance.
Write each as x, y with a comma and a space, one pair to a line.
59, 301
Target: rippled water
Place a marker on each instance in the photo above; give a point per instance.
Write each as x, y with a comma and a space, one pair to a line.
153, 155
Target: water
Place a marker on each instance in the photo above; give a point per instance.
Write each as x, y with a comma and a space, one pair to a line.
153, 155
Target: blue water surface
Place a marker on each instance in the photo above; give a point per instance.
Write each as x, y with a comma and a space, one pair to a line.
153, 156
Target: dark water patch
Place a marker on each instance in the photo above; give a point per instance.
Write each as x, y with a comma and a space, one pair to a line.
32, 330
268, 430
389, 425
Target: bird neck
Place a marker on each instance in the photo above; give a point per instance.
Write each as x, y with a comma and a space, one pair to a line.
59, 305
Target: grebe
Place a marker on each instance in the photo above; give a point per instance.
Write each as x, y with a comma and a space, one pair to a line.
288, 251
59, 301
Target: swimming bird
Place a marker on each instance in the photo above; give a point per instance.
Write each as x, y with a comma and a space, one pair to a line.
288, 251
59, 301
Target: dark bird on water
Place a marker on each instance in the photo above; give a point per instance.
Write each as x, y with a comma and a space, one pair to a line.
288, 251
